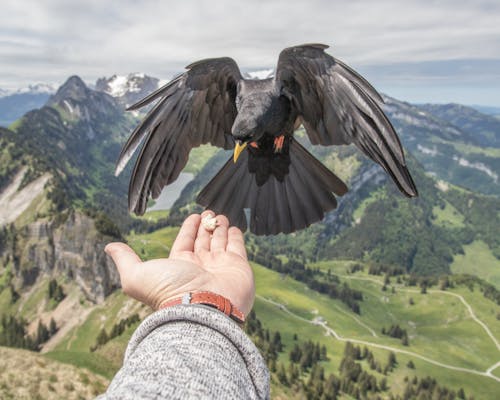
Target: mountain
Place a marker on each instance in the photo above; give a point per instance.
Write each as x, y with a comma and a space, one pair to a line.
14, 105
455, 143
129, 89
494, 111
58, 191
484, 129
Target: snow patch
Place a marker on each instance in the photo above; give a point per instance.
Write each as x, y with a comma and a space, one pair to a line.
432, 152
117, 85
476, 165
162, 82
120, 85
68, 106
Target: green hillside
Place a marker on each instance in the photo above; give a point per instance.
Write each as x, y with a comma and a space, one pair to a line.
449, 341
478, 260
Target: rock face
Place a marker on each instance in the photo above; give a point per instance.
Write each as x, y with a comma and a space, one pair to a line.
72, 249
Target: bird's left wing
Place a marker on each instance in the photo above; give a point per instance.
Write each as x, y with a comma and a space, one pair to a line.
338, 106
195, 108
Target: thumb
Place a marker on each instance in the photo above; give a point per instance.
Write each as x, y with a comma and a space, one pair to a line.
124, 258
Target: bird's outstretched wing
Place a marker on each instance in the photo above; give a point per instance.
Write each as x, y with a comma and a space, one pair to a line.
338, 106
195, 108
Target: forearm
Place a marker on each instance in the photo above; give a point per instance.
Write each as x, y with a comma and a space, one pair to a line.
190, 352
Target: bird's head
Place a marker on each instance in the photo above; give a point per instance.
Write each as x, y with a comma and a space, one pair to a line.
253, 103
245, 129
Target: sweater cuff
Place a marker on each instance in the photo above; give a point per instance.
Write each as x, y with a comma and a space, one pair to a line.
216, 320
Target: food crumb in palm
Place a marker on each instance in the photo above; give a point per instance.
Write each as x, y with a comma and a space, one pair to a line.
209, 222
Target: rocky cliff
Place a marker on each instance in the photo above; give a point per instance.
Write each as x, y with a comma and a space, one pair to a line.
70, 249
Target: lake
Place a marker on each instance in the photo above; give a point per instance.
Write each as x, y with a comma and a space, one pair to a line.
171, 192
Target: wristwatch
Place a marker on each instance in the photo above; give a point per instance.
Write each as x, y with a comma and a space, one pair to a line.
210, 299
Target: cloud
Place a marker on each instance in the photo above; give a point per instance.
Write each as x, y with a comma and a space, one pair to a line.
47, 40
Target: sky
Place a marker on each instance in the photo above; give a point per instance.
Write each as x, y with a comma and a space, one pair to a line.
414, 50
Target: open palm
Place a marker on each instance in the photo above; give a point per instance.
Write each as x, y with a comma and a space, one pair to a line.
199, 261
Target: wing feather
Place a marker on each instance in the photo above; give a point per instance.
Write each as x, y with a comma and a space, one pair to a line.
338, 106
195, 108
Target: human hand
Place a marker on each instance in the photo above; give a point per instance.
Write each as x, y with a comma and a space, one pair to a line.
199, 261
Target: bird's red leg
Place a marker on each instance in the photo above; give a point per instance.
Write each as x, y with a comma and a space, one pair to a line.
254, 145
278, 143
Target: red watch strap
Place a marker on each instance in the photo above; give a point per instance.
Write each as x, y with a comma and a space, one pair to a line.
210, 299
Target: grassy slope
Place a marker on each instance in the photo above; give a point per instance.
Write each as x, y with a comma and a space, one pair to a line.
478, 260
153, 245
448, 216
198, 157
449, 337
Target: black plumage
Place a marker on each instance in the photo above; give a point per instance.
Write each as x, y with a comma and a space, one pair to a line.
281, 183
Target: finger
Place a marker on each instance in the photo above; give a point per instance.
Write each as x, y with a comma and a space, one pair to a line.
126, 261
187, 235
235, 242
203, 237
219, 238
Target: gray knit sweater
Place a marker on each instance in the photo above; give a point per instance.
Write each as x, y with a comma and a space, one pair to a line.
190, 352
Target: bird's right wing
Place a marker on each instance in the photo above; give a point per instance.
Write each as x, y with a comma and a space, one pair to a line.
195, 108
338, 106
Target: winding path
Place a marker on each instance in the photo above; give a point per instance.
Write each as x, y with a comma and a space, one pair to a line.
319, 321
460, 297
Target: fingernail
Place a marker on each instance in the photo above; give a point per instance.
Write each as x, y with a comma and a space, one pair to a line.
106, 248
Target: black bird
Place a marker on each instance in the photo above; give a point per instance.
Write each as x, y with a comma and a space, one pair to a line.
271, 174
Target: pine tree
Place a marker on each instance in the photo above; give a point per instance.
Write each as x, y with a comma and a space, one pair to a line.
14, 296
277, 341
392, 360
52, 327
323, 353
102, 337
405, 340
42, 333
281, 375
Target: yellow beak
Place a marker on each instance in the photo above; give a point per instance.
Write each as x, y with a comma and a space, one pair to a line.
238, 149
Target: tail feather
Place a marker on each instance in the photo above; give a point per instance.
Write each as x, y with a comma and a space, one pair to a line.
300, 199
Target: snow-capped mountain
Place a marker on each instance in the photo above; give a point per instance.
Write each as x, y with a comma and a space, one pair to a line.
260, 74
128, 89
15, 103
38, 88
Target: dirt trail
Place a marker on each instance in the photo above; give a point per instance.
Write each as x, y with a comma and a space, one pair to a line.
319, 321
460, 297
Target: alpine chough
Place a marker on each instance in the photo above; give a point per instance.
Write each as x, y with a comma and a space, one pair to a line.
284, 187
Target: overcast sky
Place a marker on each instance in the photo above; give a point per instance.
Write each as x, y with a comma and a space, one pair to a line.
416, 50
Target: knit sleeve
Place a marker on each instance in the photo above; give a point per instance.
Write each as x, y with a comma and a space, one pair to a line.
190, 352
